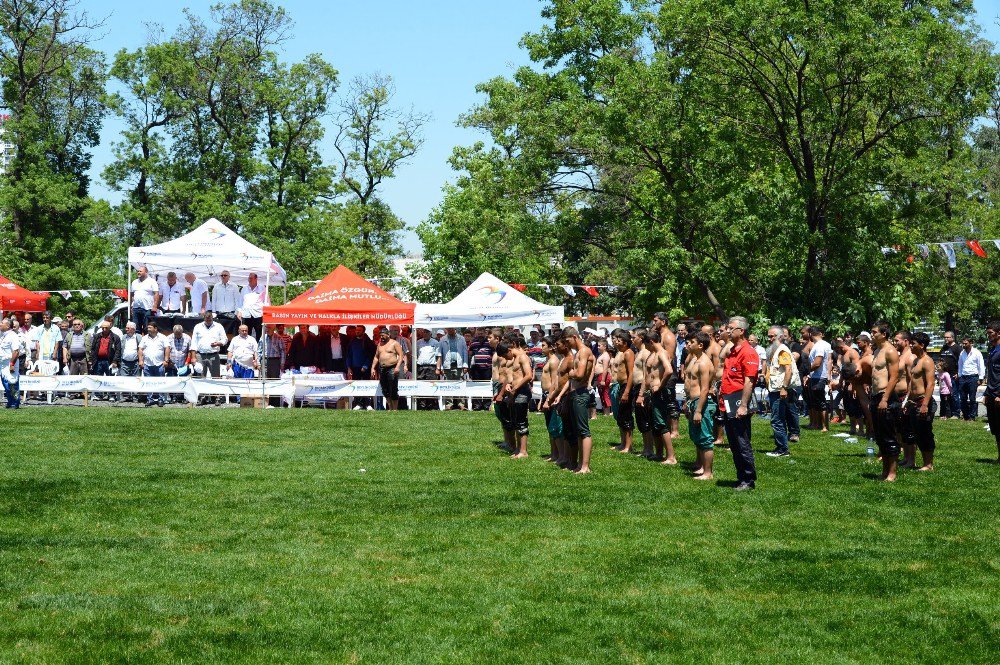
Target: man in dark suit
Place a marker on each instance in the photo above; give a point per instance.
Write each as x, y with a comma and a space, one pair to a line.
304, 350
360, 352
332, 349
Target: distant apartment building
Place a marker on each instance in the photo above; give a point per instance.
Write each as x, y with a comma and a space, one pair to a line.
6, 148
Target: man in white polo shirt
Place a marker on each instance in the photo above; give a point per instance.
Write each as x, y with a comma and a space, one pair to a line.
10, 351
251, 311
207, 339
170, 299
144, 290
198, 294
153, 350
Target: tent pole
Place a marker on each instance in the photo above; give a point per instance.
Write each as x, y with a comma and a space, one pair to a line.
266, 300
413, 353
128, 292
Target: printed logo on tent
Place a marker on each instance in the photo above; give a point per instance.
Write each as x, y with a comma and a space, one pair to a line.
494, 292
214, 233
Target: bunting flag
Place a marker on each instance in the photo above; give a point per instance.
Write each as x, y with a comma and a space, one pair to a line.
997, 243
64, 294
520, 287
590, 291
570, 291
121, 293
949, 251
84, 293
925, 251
976, 248
546, 287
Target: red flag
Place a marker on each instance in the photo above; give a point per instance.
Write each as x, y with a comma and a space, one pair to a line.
590, 290
44, 294
976, 248
520, 287
122, 293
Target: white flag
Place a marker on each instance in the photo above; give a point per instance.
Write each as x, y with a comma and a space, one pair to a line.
64, 294
570, 291
997, 243
949, 251
925, 251
548, 289
84, 293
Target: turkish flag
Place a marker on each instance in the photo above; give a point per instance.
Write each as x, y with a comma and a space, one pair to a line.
590, 290
122, 293
520, 287
976, 248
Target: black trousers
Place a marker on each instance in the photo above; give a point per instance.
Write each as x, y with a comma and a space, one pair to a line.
885, 426
360, 374
738, 434
427, 373
993, 417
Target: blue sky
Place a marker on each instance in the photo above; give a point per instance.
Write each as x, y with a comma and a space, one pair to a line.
435, 51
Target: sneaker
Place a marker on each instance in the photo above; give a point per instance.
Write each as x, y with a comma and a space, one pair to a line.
149, 404
743, 487
357, 408
111, 399
370, 408
162, 403
776, 453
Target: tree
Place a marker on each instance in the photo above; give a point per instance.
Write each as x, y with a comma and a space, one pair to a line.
373, 138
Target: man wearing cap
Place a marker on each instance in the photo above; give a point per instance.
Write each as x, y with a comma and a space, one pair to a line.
738, 379
10, 352
105, 353
197, 295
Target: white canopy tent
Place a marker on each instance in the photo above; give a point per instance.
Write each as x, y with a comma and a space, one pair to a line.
207, 251
488, 301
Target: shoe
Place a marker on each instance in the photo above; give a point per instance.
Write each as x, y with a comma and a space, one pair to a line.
162, 403
775, 453
369, 408
111, 399
148, 404
357, 408
743, 487
793, 439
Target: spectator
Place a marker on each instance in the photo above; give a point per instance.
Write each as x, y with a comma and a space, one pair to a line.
78, 347
106, 354
304, 351
10, 352
453, 362
285, 338
242, 354
428, 350
272, 350
179, 355
130, 356
114, 329
950, 351
944, 389
332, 344
170, 298
251, 311
144, 291
360, 352
46, 339
153, 350
197, 299
971, 370
225, 297
207, 340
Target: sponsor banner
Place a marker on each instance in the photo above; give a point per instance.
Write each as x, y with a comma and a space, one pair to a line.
305, 389
192, 389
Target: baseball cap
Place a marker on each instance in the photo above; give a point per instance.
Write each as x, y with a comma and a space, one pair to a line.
865, 335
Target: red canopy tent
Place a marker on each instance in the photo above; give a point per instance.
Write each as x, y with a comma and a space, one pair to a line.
342, 298
14, 298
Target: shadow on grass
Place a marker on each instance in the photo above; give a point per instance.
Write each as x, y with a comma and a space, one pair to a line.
872, 476
726, 483
985, 460
850, 455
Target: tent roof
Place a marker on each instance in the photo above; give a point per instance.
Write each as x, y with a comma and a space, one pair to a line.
14, 298
207, 251
342, 298
488, 301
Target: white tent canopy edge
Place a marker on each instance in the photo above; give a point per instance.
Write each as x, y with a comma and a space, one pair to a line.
488, 301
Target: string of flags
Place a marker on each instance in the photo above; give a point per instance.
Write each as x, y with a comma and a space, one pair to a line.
950, 250
84, 293
570, 289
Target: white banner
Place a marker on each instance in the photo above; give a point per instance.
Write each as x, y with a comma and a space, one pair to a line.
309, 389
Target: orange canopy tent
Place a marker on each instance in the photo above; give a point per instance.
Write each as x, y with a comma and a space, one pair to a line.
342, 298
14, 298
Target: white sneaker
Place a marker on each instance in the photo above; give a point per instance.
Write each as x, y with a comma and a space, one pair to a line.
370, 408
357, 408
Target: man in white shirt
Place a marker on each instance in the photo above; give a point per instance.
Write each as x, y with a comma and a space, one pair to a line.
428, 350
10, 352
130, 356
207, 339
144, 290
198, 294
819, 377
971, 371
170, 299
251, 311
225, 297
153, 350
243, 354
45, 338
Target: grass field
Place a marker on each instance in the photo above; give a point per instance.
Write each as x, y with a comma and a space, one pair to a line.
238, 535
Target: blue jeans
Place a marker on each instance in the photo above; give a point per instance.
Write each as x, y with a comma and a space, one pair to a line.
792, 412
967, 390
11, 392
779, 419
154, 370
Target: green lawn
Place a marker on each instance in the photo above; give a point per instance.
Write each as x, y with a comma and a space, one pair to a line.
239, 535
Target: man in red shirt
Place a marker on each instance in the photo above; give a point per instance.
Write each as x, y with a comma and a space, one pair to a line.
738, 379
